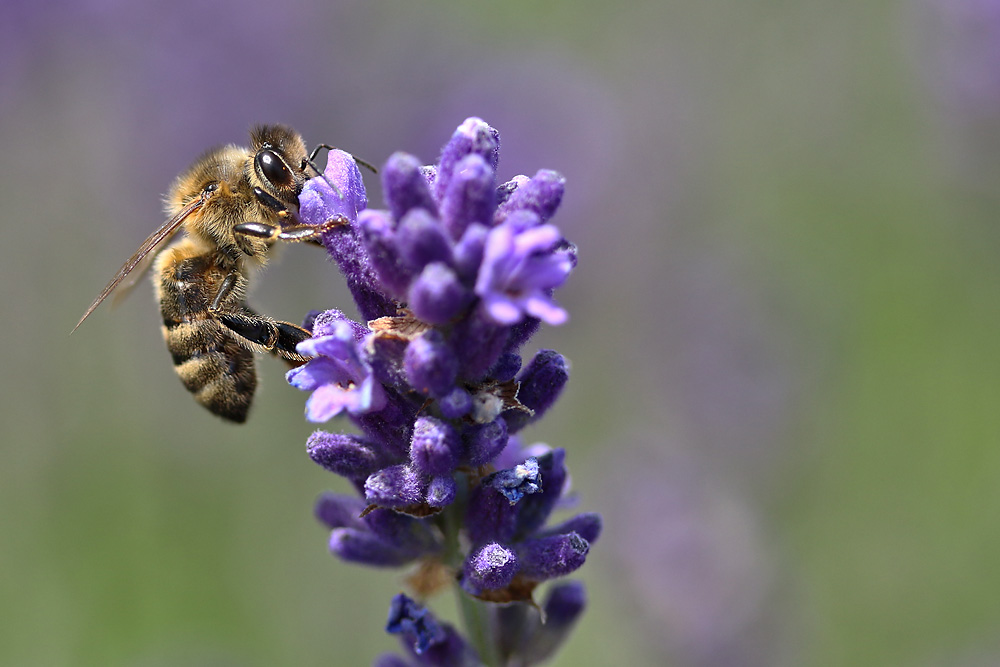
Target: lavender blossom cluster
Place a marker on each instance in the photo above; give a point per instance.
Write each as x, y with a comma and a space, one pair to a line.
451, 280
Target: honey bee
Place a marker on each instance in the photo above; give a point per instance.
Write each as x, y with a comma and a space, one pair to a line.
233, 204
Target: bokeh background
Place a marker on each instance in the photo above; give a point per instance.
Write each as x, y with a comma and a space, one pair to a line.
784, 331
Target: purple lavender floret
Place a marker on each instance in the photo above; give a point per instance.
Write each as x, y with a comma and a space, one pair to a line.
451, 280
426, 640
516, 482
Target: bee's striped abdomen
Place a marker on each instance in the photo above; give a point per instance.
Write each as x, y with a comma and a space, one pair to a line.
213, 366
210, 362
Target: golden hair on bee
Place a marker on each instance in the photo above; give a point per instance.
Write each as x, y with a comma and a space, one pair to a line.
232, 204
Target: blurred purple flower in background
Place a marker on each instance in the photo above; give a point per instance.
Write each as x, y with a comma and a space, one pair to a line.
957, 57
452, 280
705, 582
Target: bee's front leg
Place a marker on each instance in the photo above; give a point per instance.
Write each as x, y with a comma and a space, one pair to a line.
292, 232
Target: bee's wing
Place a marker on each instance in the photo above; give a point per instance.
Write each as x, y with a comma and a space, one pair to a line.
138, 272
165, 232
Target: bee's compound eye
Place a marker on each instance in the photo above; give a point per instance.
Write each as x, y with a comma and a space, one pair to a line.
270, 166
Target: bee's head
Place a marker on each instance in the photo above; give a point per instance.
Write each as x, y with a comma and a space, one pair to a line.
278, 158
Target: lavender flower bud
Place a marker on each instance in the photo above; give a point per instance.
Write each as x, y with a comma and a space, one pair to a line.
431, 365
434, 448
421, 240
339, 511
405, 186
563, 608
441, 491
437, 295
554, 556
478, 342
506, 368
395, 486
490, 517
456, 403
540, 385
541, 195
587, 525
489, 568
468, 252
365, 548
378, 236
470, 197
484, 441
472, 136
410, 536
344, 454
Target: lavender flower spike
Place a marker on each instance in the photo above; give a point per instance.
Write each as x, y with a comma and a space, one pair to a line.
451, 280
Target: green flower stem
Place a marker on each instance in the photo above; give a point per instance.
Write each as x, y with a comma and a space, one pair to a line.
475, 615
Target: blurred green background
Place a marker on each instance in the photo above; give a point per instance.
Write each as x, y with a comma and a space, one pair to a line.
784, 323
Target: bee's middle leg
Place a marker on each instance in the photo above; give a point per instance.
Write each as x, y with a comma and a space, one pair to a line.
257, 331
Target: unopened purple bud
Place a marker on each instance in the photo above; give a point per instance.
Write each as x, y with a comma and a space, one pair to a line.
541, 195
490, 517
344, 454
378, 235
587, 525
562, 608
414, 622
456, 403
405, 187
506, 368
478, 343
430, 364
471, 196
441, 491
505, 190
410, 536
366, 548
522, 331
541, 382
434, 448
395, 486
468, 252
451, 651
565, 603
339, 511
421, 240
472, 136
489, 568
437, 295
483, 442
553, 556
516, 482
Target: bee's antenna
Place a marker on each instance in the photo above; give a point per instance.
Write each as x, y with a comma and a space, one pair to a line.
312, 156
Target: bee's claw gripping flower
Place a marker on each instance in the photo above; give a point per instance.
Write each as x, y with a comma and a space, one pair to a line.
450, 281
